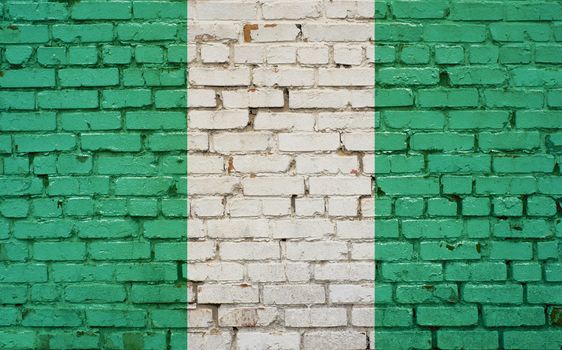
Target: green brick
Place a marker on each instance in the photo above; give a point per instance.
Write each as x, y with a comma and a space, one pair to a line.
146, 31
18, 55
519, 32
441, 141
141, 120
111, 142
27, 121
117, 54
85, 33
116, 228
77, 77
476, 11
414, 120
449, 54
409, 207
467, 339
119, 251
160, 10
526, 272
476, 271
149, 54
427, 293
59, 251
510, 250
166, 228
96, 10
448, 97
86, 121
455, 33
541, 339
129, 317
126, 98
417, 54
24, 78
393, 317
403, 339
412, 272
483, 54
23, 34
449, 251
493, 294
398, 32
68, 99
82, 55
420, 9
410, 76
44, 143
450, 316
153, 77
476, 75
36, 12
466, 120
22, 100
143, 207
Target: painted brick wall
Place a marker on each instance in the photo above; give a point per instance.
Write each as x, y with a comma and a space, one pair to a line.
281, 144
92, 175
468, 147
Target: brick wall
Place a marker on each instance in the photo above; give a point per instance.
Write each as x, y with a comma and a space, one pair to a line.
92, 175
468, 147
281, 140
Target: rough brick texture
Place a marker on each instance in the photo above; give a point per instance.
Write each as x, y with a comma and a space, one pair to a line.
468, 186
281, 145
93, 175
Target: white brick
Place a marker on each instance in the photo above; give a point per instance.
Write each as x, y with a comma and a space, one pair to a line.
291, 9
282, 340
342, 206
237, 228
362, 251
284, 121
249, 53
362, 98
201, 98
241, 207
340, 185
349, 55
197, 141
345, 121
249, 250
338, 32
207, 31
200, 318
369, 164
261, 164
306, 142
313, 54
319, 98
215, 271
207, 207
294, 294
273, 186
276, 206
271, 32
283, 76
368, 207
197, 229
225, 10
240, 142
281, 54
370, 53
223, 119
316, 251
214, 53
316, 317
279, 272
302, 228
227, 294
309, 206
200, 164
216, 340
326, 164
363, 317
229, 316
191, 53
359, 141
253, 98
335, 340
356, 271
211, 185
352, 293
200, 251
356, 229
219, 77
346, 77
